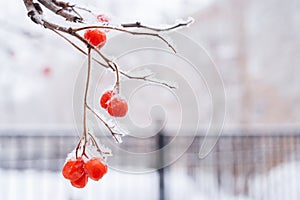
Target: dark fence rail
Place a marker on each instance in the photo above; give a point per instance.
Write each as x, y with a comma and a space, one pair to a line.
234, 159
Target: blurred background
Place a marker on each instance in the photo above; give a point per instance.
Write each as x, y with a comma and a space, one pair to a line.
255, 46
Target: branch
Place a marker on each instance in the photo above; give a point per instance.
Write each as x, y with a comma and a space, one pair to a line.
114, 134
37, 18
52, 5
95, 143
129, 32
33, 13
139, 25
143, 78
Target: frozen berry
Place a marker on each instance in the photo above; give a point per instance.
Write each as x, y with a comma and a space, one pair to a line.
105, 98
81, 182
102, 18
73, 169
95, 169
95, 37
117, 107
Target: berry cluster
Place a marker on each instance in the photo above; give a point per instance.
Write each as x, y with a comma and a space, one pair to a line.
114, 104
78, 171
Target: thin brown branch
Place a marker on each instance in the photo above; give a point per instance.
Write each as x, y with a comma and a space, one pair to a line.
78, 146
61, 11
95, 143
69, 41
145, 78
117, 84
78, 48
85, 131
33, 13
176, 26
37, 18
87, 89
105, 124
84, 9
129, 32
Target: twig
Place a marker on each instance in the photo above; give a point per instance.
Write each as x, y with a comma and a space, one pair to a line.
139, 25
94, 141
65, 10
144, 78
105, 124
117, 84
129, 32
37, 18
78, 48
85, 100
78, 146
62, 12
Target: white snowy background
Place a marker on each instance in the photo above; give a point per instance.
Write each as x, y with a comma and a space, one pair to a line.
255, 45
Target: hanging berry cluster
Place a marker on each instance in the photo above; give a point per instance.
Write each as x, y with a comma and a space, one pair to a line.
78, 171
88, 160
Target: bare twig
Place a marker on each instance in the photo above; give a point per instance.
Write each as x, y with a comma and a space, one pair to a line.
95, 143
52, 5
85, 131
67, 11
37, 18
69, 41
33, 13
140, 25
78, 146
143, 78
117, 84
129, 32
113, 133
78, 48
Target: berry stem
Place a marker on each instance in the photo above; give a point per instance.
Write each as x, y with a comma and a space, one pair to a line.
85, 131
77, 147
113, 133
117, 84
95, 143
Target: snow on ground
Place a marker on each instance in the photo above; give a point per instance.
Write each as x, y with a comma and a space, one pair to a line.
280, 183
31, 185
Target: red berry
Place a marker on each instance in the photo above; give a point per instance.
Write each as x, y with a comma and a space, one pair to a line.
117, 107
73, 169
105, 98
81, 182
95, 169
47, 71
95, 37
102, 18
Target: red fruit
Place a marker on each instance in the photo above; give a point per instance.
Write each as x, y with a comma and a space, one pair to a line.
105, 98
81, 182
47, 71
73, 169
95, 37
102, 18
117, 107
95, 169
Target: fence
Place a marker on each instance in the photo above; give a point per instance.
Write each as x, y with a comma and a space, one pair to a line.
231, 166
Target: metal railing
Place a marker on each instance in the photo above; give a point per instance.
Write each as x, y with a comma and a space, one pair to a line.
233, 162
